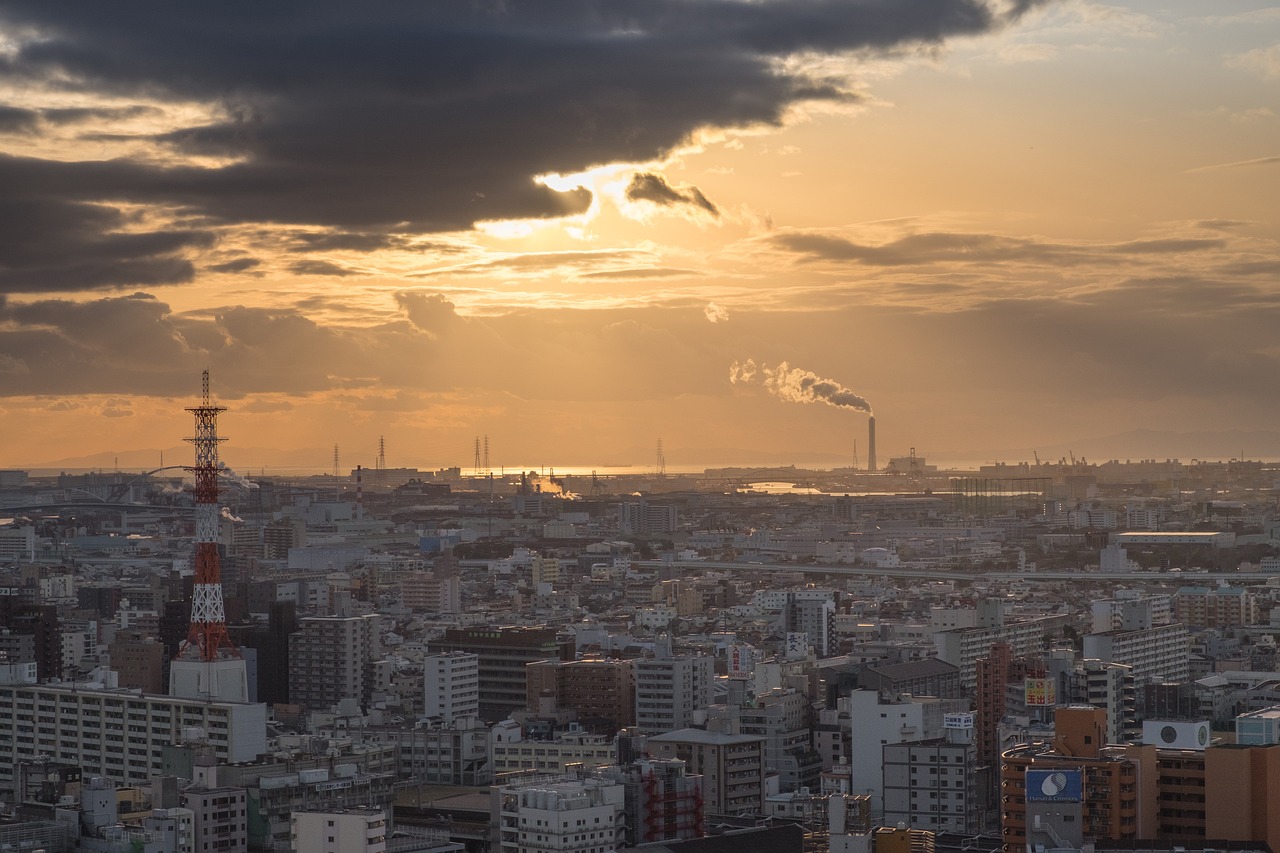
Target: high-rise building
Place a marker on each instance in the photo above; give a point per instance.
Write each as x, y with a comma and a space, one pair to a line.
451, 685
600, 691
1183, 790
504, 653
732, 767
332, 658
814, 618
670, 687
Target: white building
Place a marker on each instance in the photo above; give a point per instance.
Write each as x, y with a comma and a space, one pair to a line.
118, 734
670, 687
572, 815
876, 724
451, 686
1159, 654
349, 831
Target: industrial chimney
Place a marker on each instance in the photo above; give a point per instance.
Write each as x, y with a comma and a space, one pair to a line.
871, 443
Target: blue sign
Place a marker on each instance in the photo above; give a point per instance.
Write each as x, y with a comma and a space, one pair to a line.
1054, 786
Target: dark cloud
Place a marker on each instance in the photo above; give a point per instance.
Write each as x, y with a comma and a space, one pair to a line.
18, 120
238, 265
433, 116
80, 115
942, 247
344, 241
49, 244
320, 268
647, 186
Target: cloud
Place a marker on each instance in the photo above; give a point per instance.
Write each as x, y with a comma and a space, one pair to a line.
653, 188
238, 265
51, 244
311, 267
974, 248
429, 116
18, 120
1263, 61
1270, 160
715, 313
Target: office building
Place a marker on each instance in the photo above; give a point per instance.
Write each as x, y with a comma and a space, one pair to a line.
732, 767
451, 685
503, 655
601, 692
670, 687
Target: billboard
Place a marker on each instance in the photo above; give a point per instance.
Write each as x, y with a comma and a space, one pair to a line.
1041, 692
957, 721
1054, 786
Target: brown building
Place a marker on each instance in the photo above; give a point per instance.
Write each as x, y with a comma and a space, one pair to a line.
504, 653
602, 692
138, 659
994, 674
1149, 793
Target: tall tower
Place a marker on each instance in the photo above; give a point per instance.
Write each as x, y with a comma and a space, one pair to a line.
208, 665
871, 443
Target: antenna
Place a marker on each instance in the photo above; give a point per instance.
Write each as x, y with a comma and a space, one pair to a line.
208, 633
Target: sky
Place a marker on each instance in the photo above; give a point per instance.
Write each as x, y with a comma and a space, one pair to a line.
571, 226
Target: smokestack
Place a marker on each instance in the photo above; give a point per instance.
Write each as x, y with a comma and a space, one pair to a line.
871, 443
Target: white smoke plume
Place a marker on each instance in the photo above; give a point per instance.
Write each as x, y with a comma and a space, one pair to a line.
715, 313
224, 471
796, 385
226, 513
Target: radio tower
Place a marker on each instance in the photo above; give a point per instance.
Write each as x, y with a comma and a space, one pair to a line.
208, 665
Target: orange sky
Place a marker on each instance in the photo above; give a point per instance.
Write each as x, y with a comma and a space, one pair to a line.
1007, 228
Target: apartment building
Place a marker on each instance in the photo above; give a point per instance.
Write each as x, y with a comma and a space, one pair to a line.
731, 766
451, 686
115, 733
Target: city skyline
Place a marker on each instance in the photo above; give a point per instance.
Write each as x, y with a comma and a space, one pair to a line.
1008, 225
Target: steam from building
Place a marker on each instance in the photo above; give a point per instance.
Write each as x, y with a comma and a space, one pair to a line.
796, 385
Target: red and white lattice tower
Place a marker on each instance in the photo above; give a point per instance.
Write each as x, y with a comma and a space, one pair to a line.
208, 639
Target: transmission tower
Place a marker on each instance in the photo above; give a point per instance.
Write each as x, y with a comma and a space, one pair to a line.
382, 453
661, 467
207, 639
336, 468
476, 466
487, 469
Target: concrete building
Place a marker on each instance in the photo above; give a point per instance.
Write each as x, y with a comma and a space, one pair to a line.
552, 756
962, 647
933, 785
118, 734
601, 692
1157, 654
878, 722
670, 687
361, 830
572, 815
1181, 795
504, 654
1217, 607
451, 685
332, 658
731, 766
664, 802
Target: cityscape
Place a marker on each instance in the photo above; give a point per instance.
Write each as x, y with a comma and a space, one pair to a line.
640, 426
